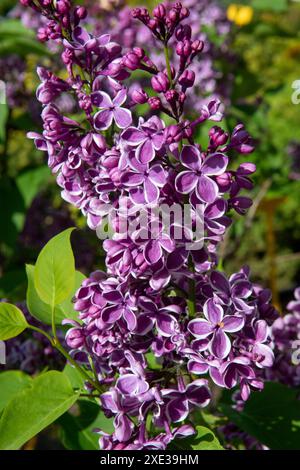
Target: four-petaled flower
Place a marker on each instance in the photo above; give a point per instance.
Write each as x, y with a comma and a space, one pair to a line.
199, 173
216, 326
111, 109
146, 139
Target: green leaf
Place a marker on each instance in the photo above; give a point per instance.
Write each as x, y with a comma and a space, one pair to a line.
204, 440
74, 376
12, 382
11, 27
12, 321
272, 416
34, 408
54, 273
42, 311
77, 428
22, 46
30, 182
67, 306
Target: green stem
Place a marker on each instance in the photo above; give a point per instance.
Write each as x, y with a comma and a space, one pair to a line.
56, 344
166, 51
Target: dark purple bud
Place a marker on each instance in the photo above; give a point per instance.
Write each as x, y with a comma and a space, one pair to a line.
183, 48
139, 96
159, 11
131, 60
62, 7
173, 71
171, 96
217, 136
152, 24
160, 83
154, 103
183, 32
173, 15
139, 52
181, 97
187, 79
26, 3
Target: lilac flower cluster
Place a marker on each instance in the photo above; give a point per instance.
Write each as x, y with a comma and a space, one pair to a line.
162, 313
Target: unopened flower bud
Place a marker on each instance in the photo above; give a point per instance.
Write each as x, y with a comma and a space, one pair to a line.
139, 96
160, 83
183, 32
187, 79
154, 103
159, 11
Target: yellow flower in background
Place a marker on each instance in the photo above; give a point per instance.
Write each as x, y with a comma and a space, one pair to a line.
240, 14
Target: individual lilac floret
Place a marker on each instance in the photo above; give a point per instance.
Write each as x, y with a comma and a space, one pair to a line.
111, 109
199, 173
216, 325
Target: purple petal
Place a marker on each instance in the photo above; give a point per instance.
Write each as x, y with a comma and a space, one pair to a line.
130, 319
152, 251
220, 282
213, 312
265, 355
177, 410
158, 140
200, 328
233, 323
215, 165
101, 99
198, 368
191, 158
242, 289
151, 191
129, 178
137, 196
207, 190
120, 97
157, 175
128, 384
185, 182
145, 152
123, 428
103, 119
122, 117
111, 314
166, 324
114, 296
261, 331
198, 393
133, 136
220, 345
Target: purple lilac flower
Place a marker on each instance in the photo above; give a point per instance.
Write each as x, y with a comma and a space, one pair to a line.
111, 110
141, 306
